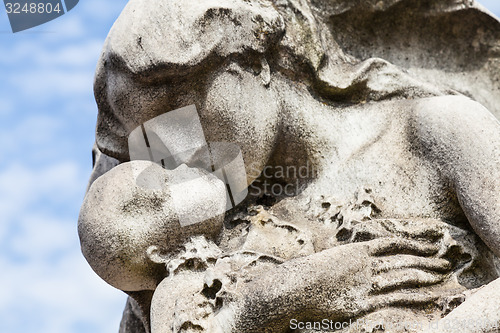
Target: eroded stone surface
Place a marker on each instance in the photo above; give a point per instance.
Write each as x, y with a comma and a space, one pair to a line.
372, 152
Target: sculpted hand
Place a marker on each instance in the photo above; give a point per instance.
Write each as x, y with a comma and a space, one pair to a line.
340, 283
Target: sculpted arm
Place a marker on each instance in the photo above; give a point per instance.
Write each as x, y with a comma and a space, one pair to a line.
463, 139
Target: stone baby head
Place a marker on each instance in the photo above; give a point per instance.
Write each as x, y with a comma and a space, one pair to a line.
131, 220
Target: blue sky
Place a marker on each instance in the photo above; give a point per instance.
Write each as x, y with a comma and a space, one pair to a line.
47, 121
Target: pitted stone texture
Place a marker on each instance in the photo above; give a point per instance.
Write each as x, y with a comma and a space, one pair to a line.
388, 105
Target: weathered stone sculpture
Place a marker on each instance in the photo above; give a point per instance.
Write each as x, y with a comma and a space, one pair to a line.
368, 134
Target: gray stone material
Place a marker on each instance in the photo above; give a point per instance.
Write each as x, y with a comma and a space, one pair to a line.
135, 194
370, 137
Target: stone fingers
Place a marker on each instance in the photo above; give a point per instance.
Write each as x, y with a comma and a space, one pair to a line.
396, 246
407, 299
405, 278
395, 262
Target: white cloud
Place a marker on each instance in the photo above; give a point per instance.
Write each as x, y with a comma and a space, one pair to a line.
22, 188
44, 83
59, 180
102, 10
81, 54
46, 286
44, 278
41, 237
36, 53
6, 107
35, 129
69, 26
55, 295
17, 52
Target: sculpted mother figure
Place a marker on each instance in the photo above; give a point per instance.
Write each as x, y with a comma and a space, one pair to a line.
389, 107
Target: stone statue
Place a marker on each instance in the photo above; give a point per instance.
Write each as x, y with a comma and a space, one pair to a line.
368, 134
